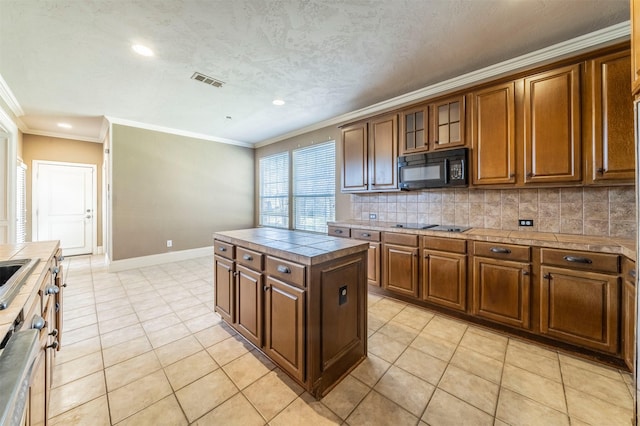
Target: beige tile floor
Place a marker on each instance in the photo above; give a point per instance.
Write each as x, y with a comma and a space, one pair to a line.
143, 347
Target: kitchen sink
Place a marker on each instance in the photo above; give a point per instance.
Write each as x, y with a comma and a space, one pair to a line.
13, 274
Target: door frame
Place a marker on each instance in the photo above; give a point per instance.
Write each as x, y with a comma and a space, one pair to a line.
34, 198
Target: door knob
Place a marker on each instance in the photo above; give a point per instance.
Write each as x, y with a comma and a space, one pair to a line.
88, 216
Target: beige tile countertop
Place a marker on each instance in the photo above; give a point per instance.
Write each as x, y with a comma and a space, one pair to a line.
41, 250
625, 247
297, 246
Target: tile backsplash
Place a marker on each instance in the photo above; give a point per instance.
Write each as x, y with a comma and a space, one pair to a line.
601, 211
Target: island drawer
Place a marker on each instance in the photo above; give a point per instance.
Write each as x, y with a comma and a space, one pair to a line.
339, 231
363, 234
223, 249
502, 251
290, 272
581, 260
453, 245
249, 258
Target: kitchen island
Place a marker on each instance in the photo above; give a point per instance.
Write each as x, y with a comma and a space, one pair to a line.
300, 298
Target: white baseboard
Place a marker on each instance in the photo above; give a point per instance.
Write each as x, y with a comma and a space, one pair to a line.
157, 259
99, 250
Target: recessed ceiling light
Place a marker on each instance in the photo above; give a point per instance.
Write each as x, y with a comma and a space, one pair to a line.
278, 102
65, 125
142, 50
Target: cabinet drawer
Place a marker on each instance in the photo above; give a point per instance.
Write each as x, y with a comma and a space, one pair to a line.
223, 249
581, 260
401, 239
339, 231
445, 244
502, 251
363, 234
249, 258
290, 272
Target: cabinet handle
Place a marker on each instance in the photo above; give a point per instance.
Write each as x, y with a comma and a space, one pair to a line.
60, 258
283, 269
338, 231
500, 250
247, 257
426, 256
365, 235
530, 175
600, 170
54, 345
512, 175
222, 248
525, 272
547, 276
632, 273
576, 259
54, 333
38, 323
64, 285
51, 289
235, 274
265, 288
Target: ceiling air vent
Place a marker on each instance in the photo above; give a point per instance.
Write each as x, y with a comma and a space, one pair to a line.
207, 80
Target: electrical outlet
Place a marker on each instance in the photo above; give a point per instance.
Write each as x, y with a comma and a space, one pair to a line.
169, 243
525, 222
373, 216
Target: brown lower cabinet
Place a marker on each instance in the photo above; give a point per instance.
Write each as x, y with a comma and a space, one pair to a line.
309, 319
400, 263
580, 307
444, 272
629, 314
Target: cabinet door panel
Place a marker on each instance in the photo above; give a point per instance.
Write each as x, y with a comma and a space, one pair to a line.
383, 153
354, 158
629, 323
501, 291
414, 133
635, 46
552, 126
613, 147
224, 289
401, 269
448, 122
373, 264
494, 149
249, 304
580, 307
444, 279
284, 323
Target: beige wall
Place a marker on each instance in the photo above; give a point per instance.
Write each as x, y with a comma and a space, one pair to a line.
47, 148
343, 207
168, 187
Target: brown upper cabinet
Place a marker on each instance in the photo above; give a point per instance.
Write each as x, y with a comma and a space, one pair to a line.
612, 150
635, 46
370, 152
414, 130
493, 135
448, 128
552, 126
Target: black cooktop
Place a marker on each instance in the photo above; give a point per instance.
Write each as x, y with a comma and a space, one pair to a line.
432, 227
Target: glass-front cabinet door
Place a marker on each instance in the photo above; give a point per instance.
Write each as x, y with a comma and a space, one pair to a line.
448, 122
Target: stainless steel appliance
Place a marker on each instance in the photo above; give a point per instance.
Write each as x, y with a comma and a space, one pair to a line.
439, 169
432, 227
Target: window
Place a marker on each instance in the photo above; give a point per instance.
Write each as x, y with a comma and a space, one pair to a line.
21, 203
274, 190
314, 187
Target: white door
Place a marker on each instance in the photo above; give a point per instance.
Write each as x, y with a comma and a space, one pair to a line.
64, 205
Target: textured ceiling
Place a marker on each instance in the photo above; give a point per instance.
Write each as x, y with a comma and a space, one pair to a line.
71, 59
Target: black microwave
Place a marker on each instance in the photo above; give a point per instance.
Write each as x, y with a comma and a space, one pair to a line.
440, 169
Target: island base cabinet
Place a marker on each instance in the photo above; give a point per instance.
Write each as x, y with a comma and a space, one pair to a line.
580, 307
249, 304
501, 291
224, 289
284, 324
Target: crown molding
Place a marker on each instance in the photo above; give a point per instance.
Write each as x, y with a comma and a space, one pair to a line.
8, 97
597, 39
61, 136
104, 129
146, 126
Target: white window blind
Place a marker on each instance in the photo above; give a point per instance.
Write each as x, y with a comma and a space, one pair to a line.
314, 187
21, 203
274, 190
